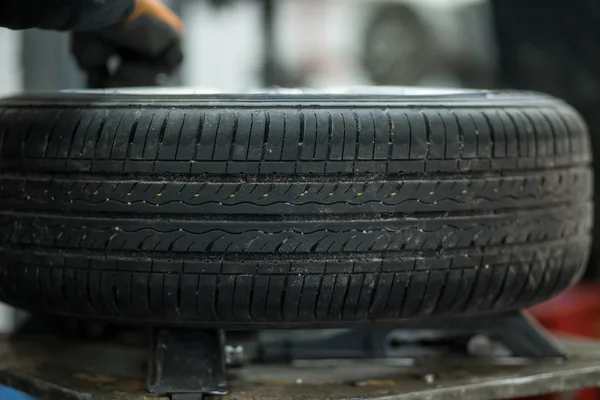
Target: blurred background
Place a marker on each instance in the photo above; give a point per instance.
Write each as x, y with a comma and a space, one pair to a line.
236, 45
239, 45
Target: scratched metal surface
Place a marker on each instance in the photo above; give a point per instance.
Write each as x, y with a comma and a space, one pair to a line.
57, 368
60, 368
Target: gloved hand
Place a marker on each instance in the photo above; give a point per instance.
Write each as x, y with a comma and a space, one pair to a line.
143, 50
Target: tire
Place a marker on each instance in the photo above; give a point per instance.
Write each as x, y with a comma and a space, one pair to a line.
398, 46
290, 209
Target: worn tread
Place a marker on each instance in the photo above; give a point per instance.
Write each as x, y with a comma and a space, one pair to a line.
290, 211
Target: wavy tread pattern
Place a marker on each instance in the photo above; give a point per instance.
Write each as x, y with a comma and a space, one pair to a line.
292, 197
303, 236
259, 214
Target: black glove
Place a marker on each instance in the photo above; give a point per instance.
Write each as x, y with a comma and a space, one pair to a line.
143, 50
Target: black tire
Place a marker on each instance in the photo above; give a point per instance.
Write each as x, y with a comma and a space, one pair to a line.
291, 210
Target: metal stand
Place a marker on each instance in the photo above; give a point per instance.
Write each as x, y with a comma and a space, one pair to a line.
187, 364
510, 334
190, 364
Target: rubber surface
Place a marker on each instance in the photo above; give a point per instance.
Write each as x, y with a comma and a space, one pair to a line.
290, 210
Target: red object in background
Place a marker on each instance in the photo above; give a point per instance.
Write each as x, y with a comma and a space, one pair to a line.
575, 312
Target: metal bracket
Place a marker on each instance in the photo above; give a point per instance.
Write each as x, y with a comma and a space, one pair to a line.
519, 334
187, 364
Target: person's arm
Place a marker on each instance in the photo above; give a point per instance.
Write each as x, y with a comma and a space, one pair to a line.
63, 14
